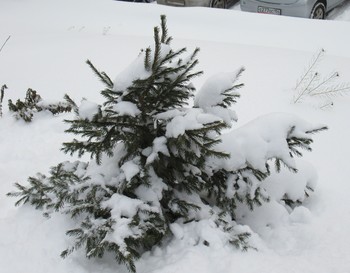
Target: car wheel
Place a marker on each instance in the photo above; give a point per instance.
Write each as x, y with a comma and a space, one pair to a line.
219, 4
318, 11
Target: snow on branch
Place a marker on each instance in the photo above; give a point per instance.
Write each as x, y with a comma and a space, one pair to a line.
273, 136
218, 93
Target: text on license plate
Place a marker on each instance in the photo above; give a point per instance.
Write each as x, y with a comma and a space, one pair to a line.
269, 10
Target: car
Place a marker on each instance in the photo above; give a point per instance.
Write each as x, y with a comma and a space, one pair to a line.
138, 1
223, 4
315, 9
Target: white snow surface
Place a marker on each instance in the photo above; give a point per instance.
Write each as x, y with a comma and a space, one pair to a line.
49, 42
123, 209
126, 108
88, 109
211, 95
159, 146
260, 140
190, 120
134, 71
130, 169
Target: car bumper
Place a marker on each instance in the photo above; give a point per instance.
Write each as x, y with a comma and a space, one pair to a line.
298, 9
185, 3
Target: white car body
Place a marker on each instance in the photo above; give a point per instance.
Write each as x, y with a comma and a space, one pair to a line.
198, 3
297, 8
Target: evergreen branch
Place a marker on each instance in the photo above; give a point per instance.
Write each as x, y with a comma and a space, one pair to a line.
148, 59
157, 49
229, 94
164, 38
279, 162
189, 68
2, 92
303, 143
320, 129
239, 73
183, 76
71, 103
182, 207
33, 103
101, 75
170, 56
168, 41
213, 126
110, 95
194, 54
107, 79
193, 75
240, 241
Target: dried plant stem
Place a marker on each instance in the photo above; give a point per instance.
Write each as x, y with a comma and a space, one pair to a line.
302, 93
333, 76
338, 90
313, 64
8, 38
312, 84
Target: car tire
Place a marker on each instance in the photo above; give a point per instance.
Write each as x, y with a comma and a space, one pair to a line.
318, 11
219, 4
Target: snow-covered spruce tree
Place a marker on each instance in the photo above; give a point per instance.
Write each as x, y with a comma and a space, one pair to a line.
157, 163
33, 103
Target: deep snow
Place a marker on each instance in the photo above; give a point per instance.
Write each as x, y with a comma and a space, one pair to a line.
50, 40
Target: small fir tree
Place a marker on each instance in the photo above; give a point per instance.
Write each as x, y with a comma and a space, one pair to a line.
33, 103
152, 160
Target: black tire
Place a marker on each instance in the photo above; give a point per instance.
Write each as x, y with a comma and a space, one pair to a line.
318, 11
219, 4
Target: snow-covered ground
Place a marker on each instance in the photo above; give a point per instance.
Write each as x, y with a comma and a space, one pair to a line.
49, 43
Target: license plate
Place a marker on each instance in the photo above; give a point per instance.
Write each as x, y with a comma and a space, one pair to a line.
269, 10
